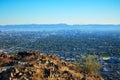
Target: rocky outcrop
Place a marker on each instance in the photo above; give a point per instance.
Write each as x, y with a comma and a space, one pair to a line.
33, 65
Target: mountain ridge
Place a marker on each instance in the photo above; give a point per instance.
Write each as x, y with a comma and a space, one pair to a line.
33, 65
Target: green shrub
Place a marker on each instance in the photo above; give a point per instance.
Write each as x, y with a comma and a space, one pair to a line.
89, 64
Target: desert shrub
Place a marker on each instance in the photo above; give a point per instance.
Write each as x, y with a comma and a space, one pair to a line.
89, 64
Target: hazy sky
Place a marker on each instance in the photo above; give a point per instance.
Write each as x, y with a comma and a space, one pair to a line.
59, 11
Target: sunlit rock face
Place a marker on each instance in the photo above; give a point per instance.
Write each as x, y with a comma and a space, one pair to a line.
33, 65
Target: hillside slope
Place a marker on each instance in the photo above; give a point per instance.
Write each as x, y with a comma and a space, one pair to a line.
33, 65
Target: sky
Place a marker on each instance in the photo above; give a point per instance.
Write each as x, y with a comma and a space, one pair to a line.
59, 11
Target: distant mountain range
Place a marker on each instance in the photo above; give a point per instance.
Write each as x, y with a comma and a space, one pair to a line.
54, 27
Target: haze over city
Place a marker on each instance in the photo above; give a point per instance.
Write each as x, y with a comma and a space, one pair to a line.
59, 39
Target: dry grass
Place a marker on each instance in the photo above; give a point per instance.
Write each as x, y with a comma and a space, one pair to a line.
90, 65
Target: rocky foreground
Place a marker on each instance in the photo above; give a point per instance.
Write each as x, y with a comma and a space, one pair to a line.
33, 65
